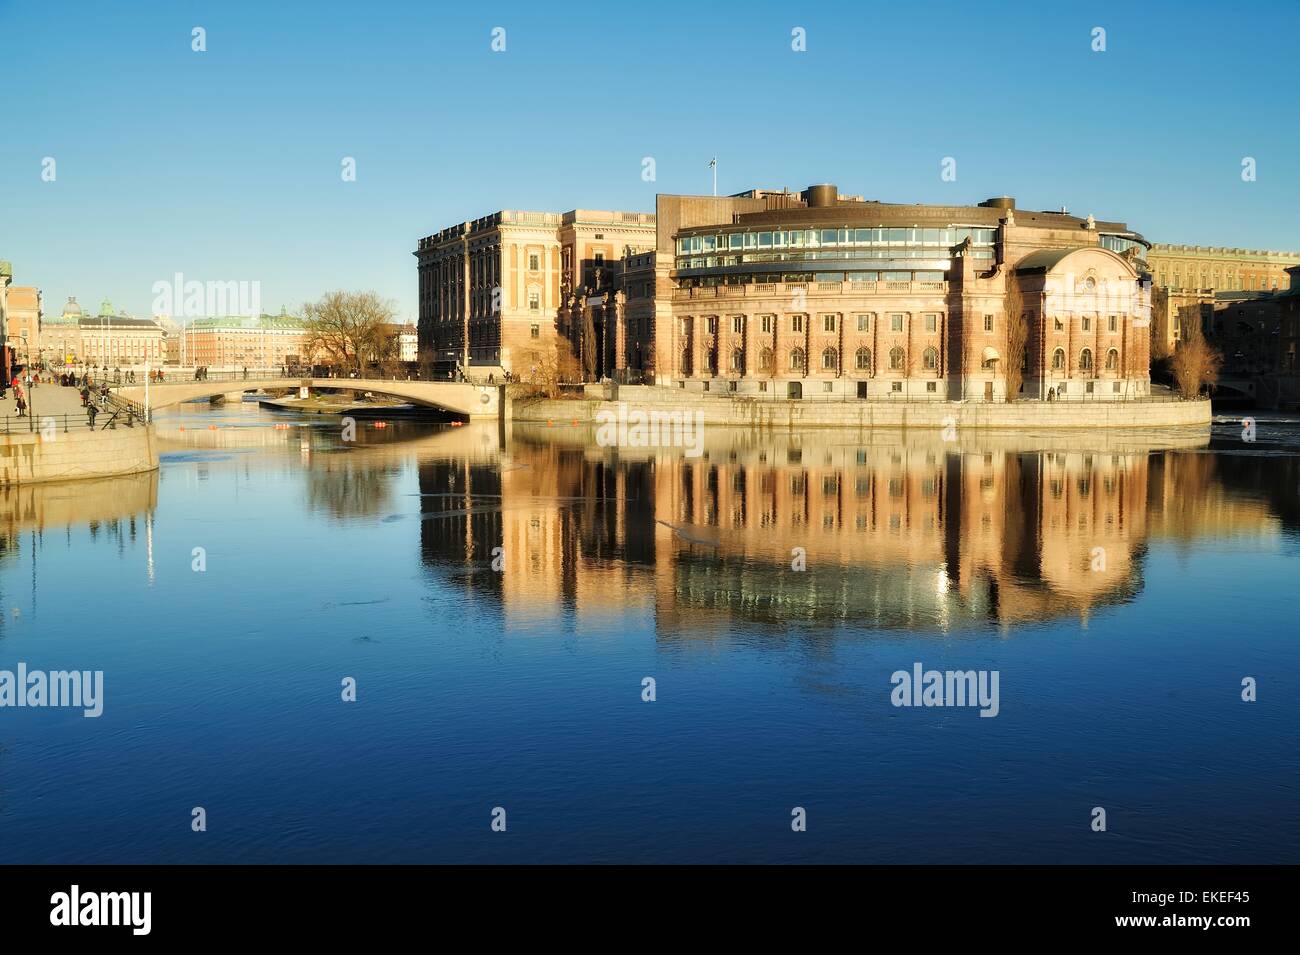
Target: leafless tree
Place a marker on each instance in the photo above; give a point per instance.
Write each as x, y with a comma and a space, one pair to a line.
348, 328
1017, 323
1195, 363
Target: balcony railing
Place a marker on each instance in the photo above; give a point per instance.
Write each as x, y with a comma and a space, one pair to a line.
756, 290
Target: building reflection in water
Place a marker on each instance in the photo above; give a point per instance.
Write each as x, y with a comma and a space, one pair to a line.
899, 530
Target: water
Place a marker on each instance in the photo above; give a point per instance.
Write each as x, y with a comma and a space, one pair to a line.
1120, 685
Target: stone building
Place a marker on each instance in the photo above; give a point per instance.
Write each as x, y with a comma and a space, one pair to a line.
1189, 279
817, 294
22, 323
490, 290
265, 341
109, 340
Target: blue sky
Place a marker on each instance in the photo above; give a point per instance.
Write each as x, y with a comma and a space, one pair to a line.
225, 165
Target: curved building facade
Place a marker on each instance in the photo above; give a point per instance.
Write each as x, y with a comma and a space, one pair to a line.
820, 295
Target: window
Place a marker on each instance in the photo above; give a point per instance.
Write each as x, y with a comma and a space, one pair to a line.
896, 386
1111, 324
1087, 323
685, 326
830, 360
535, 301
896, 358
896, 322
711, 325
796, 323
828, 386
988, 323
863, 359
1058, 360
599, 258
828, 323
737, 360
797, 359
931, 322
765, 360
535, 331
767, 324
533, 262
1112, 360
1085, 360
1057, 325
738, 324
864, 323
932, 386
930, 359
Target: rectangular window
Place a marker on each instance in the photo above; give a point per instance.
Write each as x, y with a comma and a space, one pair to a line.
738, 324
1111, 324
767, 324
535, 301
896, 386
796, 323
828, 323
1056, 325
535, 331
931, 322
533, 263
1087, 323
988, 323
711, 325
931, 386
896, 322
864, 323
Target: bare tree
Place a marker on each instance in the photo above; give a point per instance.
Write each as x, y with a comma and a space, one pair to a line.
349, 328
1017, 323
548, 369
1195, 363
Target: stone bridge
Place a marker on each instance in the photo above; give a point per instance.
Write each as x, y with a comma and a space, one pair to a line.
463, 398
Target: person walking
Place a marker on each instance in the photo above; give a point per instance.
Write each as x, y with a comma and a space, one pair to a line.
21, 400
91, 411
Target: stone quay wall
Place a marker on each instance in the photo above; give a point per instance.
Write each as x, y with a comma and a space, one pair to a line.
793, 414
29, 457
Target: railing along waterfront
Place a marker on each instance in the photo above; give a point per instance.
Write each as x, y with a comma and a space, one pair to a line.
790, 288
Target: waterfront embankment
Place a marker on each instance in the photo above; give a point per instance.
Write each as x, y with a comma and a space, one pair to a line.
793, 414
56, 443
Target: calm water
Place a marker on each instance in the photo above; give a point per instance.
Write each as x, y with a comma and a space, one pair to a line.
1120, 684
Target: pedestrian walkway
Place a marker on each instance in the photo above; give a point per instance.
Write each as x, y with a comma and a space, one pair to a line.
45, 399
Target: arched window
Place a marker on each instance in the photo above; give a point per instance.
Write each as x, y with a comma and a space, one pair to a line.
737, 360
896, 358
864, 359
765, 360
1085, 360
1112, 360
930, 359
797, 360
1058, 360
830, 360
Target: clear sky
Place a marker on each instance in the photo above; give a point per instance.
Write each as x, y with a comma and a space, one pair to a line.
226, 165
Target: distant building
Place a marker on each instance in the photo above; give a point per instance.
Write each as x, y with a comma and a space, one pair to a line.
1190, 278
61, 335
109, 340
408, 338
23, 313
267, 341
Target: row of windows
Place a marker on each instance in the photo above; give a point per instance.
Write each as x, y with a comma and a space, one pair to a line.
830, 360
822, 238
829, 323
